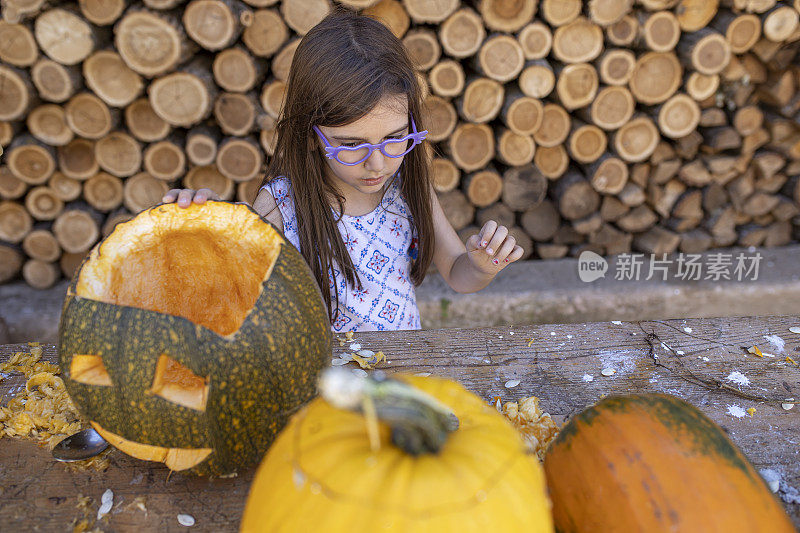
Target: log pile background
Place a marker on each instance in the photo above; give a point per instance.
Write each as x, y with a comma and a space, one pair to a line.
610, 125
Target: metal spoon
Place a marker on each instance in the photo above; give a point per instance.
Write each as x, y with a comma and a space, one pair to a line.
79, 446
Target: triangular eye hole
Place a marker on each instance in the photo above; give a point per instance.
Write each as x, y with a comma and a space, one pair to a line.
89, 370
177, 384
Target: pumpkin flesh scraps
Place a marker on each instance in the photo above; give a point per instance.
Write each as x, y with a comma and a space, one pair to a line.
204, 263
42, 411
535, 426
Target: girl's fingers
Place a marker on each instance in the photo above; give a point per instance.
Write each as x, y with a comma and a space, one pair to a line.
515, 255
487, 232
185, 197
505, 250
496, 241
473, 243
204, 194
170, 196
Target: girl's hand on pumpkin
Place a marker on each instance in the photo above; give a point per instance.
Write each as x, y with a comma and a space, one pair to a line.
492, 249
185, 197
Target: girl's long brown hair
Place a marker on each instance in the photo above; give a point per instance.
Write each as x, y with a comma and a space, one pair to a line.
341, 69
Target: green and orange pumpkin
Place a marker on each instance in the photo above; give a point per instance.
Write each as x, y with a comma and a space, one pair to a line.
655, 463
190, 336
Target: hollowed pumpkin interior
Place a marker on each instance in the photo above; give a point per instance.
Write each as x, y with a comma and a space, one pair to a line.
205, 263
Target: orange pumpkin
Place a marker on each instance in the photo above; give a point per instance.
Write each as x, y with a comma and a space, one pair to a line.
655, 463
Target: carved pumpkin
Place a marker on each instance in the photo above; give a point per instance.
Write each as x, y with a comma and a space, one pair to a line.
420, 474
189, 336
655, 463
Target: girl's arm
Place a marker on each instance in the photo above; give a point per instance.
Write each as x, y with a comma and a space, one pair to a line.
266, 207
471, 268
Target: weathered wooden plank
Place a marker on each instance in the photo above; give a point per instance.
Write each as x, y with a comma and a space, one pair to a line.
688, 358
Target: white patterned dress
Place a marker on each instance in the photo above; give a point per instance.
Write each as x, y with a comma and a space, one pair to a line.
381, 247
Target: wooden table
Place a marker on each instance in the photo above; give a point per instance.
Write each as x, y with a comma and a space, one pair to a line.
687, 358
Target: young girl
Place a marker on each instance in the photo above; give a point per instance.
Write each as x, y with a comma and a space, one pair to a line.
349, 182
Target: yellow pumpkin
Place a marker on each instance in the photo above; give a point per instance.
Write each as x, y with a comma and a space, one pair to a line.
323, 473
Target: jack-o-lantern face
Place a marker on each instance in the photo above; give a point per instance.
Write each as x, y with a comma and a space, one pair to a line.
190, 336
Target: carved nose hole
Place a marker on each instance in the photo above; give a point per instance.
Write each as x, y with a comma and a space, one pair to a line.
89, 370
177, 384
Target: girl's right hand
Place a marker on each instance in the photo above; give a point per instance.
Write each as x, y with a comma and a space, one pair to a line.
185, 197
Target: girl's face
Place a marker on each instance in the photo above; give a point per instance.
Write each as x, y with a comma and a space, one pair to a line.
388, 119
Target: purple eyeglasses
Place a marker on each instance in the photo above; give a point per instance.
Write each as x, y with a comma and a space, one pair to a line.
353, 155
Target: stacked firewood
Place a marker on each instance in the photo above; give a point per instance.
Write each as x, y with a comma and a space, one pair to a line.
609, 125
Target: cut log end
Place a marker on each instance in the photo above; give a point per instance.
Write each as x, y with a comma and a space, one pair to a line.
679, 116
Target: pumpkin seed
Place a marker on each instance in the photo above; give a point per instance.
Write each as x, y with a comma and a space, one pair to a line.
608, 372
512, 383
339, 362
365, 353
795, 329
186, 520
355, 347
107, 500
788, 406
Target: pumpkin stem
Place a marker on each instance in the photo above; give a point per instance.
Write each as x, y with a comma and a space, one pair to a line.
419, 422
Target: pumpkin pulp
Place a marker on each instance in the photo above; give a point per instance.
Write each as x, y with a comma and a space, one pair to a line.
209, 271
